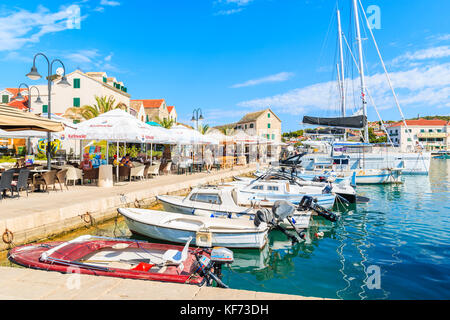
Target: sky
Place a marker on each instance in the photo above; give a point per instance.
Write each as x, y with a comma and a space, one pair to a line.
230, 57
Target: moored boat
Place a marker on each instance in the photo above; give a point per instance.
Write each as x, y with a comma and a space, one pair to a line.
205, 231
123, 258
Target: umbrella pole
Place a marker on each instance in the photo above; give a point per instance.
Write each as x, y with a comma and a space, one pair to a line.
151, 154
117, 166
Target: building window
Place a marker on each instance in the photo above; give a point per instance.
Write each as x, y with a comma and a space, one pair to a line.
439, 130
76, 83
5, 98
273, 136
268, 115
268, 125
251, 125
268, 136
430, 130
147, 119
409, 139
245, 126
422, 130
76, 121
105, 80
44, 108
76, 102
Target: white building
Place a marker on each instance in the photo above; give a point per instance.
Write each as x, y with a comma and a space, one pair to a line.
433, 135
83, 90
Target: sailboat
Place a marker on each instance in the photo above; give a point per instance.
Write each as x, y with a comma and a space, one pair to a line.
364, 158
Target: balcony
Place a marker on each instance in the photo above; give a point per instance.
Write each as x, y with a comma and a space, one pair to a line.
432, 135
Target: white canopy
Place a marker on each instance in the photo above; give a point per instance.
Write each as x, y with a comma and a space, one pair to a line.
184, 135
120, 126
219, 136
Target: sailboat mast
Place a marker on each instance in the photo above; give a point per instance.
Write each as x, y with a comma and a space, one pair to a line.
342, 76
361, 69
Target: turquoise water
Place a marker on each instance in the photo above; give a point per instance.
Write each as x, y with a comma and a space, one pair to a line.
402, 235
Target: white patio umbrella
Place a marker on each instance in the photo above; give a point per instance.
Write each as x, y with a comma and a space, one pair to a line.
119, 126
185, 135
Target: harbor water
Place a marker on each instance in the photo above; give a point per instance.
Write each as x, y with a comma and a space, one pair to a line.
397, 246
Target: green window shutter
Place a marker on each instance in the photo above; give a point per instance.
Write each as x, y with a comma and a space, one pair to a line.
147, 118
5, 98
125, 89
76, 102
268, 136
268, 115
76, 83
44, 108
273, 136
105, 80
268, 125
76, 121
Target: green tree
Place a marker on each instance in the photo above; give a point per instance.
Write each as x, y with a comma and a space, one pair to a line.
203, 129
165, 123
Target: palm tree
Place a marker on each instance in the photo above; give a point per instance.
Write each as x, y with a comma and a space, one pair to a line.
103, 104
228, 131
165, 123
203, 129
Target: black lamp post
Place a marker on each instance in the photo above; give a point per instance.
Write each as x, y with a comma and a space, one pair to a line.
34, 75
19, 97
196, 116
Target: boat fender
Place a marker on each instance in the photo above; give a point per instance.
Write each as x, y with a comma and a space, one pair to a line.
8, 236
319, 234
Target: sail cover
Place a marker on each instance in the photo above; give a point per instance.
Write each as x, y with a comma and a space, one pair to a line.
357, 122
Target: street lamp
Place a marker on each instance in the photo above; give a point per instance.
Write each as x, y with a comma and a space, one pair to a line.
35, 75
196, 117
20, 97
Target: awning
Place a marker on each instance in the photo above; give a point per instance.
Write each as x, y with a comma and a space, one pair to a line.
12, 119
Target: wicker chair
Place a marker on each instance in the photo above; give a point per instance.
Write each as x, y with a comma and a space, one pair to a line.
61, 177
6, 182
91, 174
124, 172
22, 182
46, 179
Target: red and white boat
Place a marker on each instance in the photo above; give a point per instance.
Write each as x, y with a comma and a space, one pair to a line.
126, 258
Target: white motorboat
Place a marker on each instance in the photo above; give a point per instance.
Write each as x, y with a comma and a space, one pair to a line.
296, 185
219, 202
205, 231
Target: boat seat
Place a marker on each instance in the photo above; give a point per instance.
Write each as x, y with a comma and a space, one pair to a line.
176, 257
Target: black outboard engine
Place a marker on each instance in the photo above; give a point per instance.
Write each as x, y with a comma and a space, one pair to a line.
211, 267
309, 202
263, 215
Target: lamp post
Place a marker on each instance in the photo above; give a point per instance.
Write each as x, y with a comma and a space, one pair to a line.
196, 117
19, 97
34, 75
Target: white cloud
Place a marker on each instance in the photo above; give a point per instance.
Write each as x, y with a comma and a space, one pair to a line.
22, 27
426, 87
228, 12
239, 2
109, 3
92, 60
279, 77
424, 54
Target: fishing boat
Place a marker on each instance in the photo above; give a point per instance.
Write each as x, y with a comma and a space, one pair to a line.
442, 155
219, 202
205, 231
125, 258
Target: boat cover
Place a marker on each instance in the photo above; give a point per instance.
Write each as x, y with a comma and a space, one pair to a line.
357, 122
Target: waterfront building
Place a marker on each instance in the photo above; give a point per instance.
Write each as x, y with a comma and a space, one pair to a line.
432, 135
154, 109
172, 113
264, 123
85, 86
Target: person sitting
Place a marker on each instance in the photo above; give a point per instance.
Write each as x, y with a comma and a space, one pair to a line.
115, 162
126, 161
86, 164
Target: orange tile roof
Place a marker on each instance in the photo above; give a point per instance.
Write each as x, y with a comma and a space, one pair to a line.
22, 105
170, 108
421, 122
151, 103
15, 91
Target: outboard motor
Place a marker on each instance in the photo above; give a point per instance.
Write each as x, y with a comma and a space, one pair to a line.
263, 215
309, 202
218, 257
283, 209
327, 189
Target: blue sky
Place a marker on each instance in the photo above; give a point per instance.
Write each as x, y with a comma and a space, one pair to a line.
229, 57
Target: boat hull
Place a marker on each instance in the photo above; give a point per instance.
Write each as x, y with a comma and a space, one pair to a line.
252, 239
